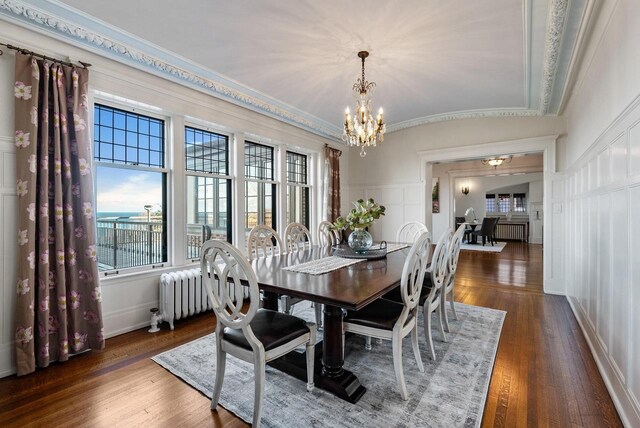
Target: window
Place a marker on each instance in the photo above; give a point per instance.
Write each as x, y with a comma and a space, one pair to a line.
490, 203
129, 151
208, 188
504, 202
519, 202
297, 189
260, 187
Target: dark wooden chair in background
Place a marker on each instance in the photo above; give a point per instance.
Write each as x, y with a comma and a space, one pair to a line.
486, 230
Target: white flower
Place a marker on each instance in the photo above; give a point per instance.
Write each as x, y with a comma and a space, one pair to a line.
57, 166
23, 286
22, 139
21, 187
24, 335
32, 260
35, 70
22, 91
74, 78
67, 169
44, 210
60, 257
44, 164
33, 163
79, 123
85, 102
22, 237
84, 166
87, 209
31, 210
58, 212
44, 257
34, 115
96, 294
91, 252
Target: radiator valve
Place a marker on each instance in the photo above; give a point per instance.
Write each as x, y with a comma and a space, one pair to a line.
156, 318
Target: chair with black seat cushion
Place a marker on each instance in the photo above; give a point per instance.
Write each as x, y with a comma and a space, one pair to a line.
328, 235
448, 287
263, 241
245, 331
486, 230
384, 319
495, 230
410, 231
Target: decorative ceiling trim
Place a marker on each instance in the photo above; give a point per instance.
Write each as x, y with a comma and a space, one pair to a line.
64, 27
468, 114
555, 30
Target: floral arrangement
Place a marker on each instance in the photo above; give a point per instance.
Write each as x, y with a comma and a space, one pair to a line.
363, 215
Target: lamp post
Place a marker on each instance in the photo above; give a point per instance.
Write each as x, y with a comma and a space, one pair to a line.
148, 208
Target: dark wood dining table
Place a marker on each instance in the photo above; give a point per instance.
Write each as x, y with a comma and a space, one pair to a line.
352, 288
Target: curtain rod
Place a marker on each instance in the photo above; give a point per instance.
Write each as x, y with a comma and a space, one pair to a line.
28, 52
337, 150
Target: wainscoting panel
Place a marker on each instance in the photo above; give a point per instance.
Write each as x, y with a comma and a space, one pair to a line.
403, 203
603, 256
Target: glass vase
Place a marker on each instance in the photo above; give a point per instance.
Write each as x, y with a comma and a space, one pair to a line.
360, 240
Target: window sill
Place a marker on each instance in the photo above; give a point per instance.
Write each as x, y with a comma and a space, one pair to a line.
143, 274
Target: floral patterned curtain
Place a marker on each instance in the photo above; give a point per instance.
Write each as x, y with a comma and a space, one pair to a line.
58, 307
332, 183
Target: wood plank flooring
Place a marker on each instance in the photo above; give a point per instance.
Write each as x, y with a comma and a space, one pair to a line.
544, 374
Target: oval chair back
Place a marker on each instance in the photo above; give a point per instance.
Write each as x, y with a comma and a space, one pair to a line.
222, 266
263, 241
297, 237
328, 236
410, 231
440, 262
414, 270
454, 252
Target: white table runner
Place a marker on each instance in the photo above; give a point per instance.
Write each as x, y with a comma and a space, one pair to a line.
331, 263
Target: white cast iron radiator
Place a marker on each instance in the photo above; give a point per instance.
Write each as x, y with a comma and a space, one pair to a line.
183, 294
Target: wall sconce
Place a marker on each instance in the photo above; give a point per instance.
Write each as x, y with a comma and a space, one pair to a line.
465, 190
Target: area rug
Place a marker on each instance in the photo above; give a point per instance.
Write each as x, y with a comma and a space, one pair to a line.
488, 248
451, 392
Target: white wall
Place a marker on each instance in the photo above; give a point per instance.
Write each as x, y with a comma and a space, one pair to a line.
602, 158
126, 298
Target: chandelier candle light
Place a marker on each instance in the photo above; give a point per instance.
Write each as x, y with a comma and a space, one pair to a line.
363, 131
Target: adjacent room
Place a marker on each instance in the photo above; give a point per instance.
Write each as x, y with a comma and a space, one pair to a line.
330, 214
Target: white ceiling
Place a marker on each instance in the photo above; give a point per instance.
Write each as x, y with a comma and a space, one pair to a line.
428, 57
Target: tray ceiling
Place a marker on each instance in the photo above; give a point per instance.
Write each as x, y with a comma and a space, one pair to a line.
431, 60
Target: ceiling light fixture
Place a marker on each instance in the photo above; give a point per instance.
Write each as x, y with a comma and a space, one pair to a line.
497, 161
363, 131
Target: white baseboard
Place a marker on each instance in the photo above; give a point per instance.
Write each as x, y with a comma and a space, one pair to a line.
128, 319
7, 359
628, 411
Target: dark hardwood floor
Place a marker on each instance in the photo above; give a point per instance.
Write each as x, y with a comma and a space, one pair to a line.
544, 373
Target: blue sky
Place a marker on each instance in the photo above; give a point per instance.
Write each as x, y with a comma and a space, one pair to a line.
126, 190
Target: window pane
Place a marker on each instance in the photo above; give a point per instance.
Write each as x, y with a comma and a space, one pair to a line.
298, 205
208, 207
131, 218
296, 168
133, 132
206, 151
519, 202
504, 202
259, 203
258, 161
490, 203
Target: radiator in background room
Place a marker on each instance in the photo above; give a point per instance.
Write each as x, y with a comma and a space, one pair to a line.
183, 294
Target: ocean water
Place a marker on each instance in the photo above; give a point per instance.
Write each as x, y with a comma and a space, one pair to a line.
110, 214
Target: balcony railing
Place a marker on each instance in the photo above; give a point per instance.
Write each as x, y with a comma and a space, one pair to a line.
125, 243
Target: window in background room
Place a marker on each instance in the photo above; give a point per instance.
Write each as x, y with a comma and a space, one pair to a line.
297, 189
504, 202
208, 188
519, 202
260, 187
490, 203
129, 153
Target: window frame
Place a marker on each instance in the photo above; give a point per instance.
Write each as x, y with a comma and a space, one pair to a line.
101, 99
230, 177
306, 186
273, 182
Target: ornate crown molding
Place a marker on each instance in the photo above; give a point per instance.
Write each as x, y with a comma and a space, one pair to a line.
18, 10
555, 29
469, 114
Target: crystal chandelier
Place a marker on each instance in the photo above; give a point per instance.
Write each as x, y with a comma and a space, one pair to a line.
363, 131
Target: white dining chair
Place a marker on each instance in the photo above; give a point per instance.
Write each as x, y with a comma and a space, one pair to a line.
297, 238
251, 334
263, 241
328, 235
432, 302
410, 231
448, 287
384, 319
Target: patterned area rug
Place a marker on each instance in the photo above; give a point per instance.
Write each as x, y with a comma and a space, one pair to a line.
451, 392
488, 248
